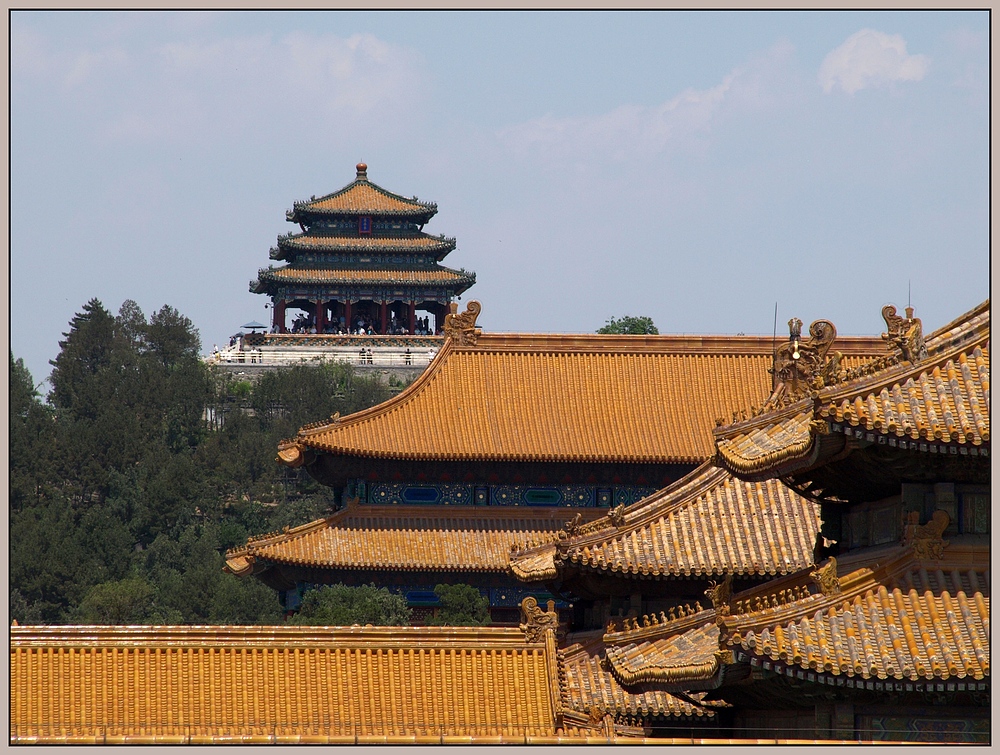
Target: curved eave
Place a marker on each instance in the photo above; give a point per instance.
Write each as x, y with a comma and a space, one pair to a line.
536, 565
680, 674
390, 566
677, 572
305, 213
456, 281
367, 453
755, 450
290, 245
688, 654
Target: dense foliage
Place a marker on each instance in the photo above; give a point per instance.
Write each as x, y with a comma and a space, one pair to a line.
629, 326
143, 466
340, 605
461, 606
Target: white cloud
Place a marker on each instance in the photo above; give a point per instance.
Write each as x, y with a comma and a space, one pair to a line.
630, 129
682, 122
870, 58
187, 90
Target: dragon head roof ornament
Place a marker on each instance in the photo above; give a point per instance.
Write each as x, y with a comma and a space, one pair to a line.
461, 328
905, 333
535, 621
802, 366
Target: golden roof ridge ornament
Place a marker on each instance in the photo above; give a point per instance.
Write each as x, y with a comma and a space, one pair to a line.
826, 577
928, 545
461, 328
535, 621
802, 366
904, 333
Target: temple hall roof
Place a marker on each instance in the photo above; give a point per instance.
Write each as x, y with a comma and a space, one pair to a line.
361, 197
576, 398
940, 399
706, 523
894, 616
403, 538
588, 686
278, 684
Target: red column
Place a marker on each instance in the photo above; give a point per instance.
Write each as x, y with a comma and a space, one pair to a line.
413, 317
385, 323
279, 316
349, 325
320, 315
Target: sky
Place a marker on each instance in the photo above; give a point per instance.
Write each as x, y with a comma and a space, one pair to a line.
698, 168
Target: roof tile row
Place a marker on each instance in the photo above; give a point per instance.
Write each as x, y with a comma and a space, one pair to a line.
419, 682
585, 398
405, 537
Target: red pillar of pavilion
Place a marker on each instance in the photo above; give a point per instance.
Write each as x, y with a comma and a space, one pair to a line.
349, 326
320, 315
413, 317
384, 325
278, 316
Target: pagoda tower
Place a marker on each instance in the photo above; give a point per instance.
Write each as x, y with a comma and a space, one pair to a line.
361, 263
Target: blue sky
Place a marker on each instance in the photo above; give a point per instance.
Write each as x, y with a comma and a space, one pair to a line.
696, 167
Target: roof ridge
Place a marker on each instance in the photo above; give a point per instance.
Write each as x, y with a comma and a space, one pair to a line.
847, 588
893, 374
963, 319
416, 203
400, 399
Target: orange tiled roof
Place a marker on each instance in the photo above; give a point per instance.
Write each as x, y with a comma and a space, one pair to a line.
587, 685
422, 538
943, 398
420, 243
278, 684
587, 398
364, 275
686, 655
364, 197
706, 523
898, 618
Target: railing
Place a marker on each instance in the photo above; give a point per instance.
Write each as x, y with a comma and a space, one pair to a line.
371, 354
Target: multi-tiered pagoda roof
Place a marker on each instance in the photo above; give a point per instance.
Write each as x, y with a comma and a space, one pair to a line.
362, 258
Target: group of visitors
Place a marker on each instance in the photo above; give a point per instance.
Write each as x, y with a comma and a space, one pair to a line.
363, 325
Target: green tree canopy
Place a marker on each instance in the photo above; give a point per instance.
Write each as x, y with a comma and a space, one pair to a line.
118, 481
125, 601
461, 606
629, 326
340, 605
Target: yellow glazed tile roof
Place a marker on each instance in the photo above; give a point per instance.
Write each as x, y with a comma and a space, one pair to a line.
364, 198
782, 437
714, 524
902, 619
593, 398
688, 654
276, 684
942, 398
908, 624
587, 685
366, 275
948, 402
408, 537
